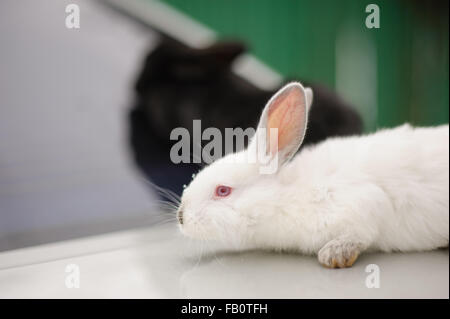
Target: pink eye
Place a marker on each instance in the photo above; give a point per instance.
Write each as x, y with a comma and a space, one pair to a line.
223, 191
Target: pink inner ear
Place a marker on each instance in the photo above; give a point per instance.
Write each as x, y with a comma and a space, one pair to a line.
287, 115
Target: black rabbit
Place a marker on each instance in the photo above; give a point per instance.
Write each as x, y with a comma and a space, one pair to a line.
179, 84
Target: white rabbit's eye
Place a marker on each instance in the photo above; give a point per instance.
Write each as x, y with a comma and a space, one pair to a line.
223, 191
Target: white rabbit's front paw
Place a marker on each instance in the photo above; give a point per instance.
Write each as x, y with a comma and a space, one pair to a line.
339, 253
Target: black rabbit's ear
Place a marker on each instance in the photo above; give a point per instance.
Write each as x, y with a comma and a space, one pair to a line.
225, 52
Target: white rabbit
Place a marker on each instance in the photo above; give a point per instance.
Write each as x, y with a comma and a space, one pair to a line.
386, 191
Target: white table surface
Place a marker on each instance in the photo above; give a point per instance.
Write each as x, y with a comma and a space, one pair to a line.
157, 262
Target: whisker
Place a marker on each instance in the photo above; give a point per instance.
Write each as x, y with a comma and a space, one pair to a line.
165, 207
163, 190
167, 193
164, 222
168, 196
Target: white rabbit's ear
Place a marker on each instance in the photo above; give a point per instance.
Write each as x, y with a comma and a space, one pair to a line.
283, 122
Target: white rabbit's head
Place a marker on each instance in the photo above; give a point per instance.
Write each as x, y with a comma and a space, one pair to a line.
229, 199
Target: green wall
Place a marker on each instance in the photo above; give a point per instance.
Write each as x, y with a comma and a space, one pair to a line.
408, 54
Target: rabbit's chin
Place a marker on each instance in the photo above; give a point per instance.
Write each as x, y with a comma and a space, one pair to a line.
220, 240
198, 233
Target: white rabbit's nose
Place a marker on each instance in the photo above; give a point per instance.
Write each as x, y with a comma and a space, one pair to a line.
180, 216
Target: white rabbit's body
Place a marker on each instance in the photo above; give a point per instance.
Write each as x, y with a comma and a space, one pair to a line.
386, 191
370, 188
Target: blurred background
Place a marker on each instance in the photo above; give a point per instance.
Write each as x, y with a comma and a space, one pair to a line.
393, 74
80, 128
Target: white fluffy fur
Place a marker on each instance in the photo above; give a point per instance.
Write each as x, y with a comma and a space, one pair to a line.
385, 191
